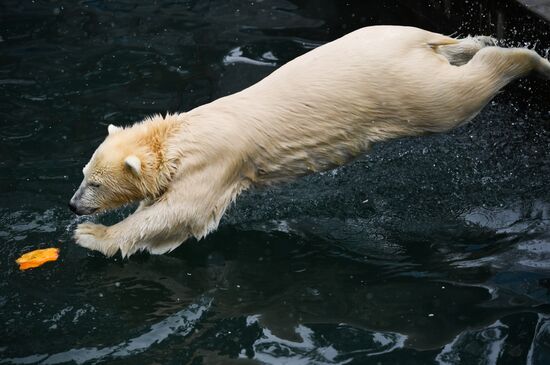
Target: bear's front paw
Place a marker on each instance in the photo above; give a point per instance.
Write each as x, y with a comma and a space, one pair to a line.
95, 237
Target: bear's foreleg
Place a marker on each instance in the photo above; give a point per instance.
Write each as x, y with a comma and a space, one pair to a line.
144, 204
94, 237
149, 227
193, 207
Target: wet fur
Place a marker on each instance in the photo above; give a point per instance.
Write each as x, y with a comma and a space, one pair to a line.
316, 112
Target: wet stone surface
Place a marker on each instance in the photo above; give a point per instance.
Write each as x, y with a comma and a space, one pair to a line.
431, 250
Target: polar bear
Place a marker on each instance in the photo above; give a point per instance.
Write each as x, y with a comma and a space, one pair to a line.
314, 113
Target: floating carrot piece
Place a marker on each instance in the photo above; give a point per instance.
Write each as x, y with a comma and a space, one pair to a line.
37, 258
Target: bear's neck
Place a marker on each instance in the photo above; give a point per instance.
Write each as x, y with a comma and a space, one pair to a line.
159, 139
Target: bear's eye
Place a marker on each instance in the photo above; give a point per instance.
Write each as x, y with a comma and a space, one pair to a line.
94, 185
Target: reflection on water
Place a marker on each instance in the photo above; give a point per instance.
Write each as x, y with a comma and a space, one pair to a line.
489, 343
372, 263
313, 348
236, 56
180, 323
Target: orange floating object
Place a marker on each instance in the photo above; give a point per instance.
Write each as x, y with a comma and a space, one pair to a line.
37, 258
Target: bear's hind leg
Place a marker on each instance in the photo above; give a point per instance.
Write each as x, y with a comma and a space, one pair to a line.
543, 68
503, 65
473, 85
461, 52
465, 90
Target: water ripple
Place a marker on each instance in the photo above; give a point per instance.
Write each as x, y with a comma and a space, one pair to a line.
178, 324
312, 348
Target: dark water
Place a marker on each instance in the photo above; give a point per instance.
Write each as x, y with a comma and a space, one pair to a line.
430, 250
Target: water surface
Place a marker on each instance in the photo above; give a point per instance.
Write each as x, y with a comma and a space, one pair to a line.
431, 250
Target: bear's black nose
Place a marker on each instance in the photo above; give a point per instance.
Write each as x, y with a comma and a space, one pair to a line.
72, 207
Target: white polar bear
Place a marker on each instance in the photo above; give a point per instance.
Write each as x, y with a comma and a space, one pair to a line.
314, 113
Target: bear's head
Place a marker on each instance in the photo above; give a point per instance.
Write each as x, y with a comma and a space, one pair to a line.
117, 173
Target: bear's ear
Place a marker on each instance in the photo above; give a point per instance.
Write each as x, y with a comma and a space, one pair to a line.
134, 164
113, 128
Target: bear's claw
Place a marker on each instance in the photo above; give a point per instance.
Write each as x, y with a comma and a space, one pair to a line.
94, 237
